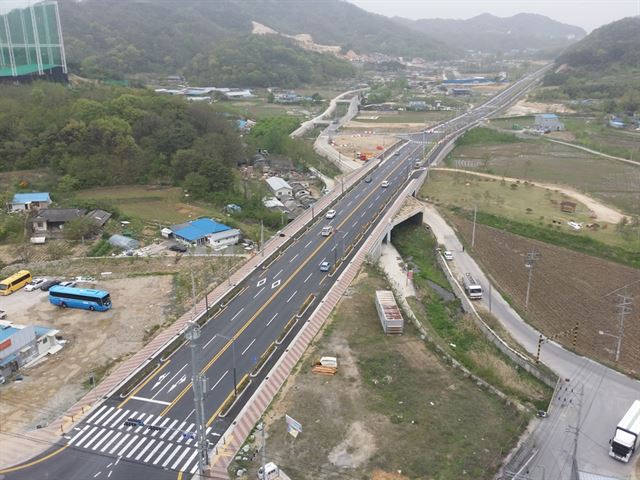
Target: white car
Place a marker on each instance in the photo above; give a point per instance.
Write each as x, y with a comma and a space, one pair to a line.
34, 284
384, 184
68, 283
448, 255
330, 214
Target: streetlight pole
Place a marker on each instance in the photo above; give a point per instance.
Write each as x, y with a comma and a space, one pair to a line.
233, 350
532, 258
199, 382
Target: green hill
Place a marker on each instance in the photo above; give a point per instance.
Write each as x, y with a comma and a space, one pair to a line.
604, 65
115, 38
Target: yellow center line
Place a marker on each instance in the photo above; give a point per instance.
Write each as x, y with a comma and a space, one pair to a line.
275, 294
30, 464
180, 475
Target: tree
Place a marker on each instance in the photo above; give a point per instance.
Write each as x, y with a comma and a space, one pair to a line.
79, 228
196, 185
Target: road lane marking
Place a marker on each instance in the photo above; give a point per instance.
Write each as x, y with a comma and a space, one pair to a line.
219, 380
170, 380
248, 347
275, 284
166, 462
259, 292
272, 318
308, 243
268, 302
169, 429
162, 454
86, 437
102, 440
261, 282
239, 311
147, 447
344, 235
291, 261
188, 462
110, 442
97, 474
141, 386
180, 458
117, 445
95, 414
276, 275
153, 452
190, 413
110, 409
292, 295
308, 277
322, 280
35, 462
150, 400
126, 447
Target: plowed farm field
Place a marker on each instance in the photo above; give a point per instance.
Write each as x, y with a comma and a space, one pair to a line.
567, 287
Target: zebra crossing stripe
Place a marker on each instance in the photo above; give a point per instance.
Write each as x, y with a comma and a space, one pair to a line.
95, 414
188, 462
102, 440
133, 415
146, 447
177, 431
184, 454
82, 440
110, 442
117, 445
162, 454
166, 462
153, 452
94, 438
104, 415
166, 432
131, 452
113, 421
126, 447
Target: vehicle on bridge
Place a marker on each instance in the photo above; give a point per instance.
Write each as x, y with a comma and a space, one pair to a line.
14, 282
85, 298
625, 439
472, 288
326, 231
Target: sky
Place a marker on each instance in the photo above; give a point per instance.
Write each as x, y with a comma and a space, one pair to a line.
588, 14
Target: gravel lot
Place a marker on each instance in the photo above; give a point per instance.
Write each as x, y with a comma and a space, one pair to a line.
95, 342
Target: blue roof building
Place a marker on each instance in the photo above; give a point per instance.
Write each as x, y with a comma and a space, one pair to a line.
29, 201
205, 231
548, 122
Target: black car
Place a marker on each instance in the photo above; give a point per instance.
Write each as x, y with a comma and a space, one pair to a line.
49, 283
178, 248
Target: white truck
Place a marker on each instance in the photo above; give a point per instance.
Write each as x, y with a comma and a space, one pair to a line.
625, 439
472, 288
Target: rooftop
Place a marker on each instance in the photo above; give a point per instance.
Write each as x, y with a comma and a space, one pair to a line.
6, 332
549, 116
31, 197
276, 183
59, 214
198, 229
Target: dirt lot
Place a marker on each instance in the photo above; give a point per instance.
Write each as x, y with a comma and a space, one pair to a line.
523, 107
567, 287
95, 340
392, 412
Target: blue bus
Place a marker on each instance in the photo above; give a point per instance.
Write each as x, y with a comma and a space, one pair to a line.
79, 298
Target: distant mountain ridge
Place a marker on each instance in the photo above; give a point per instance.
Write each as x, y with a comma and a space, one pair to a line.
493, 34
159, 36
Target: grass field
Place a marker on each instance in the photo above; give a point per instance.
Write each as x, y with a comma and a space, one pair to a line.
393, 407
593, 134
613, 182
521, 202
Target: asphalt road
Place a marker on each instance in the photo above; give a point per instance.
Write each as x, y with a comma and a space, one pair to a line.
101, 446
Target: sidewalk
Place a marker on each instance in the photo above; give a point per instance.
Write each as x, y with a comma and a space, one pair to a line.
390, 261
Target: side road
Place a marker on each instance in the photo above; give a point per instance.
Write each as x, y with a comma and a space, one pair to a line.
594, 397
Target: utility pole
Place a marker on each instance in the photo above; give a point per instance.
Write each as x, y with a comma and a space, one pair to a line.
261, 238
264, 452
199, 383
532, 258
473, 232
623, 308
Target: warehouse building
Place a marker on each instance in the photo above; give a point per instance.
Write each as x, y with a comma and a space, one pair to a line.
22, 344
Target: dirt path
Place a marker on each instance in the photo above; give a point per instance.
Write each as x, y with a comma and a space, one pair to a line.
603, 212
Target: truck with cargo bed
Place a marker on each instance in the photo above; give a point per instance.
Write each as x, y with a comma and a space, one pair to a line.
625, 438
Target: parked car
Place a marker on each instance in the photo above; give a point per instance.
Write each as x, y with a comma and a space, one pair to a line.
384, 184
325, 266
448, 255
68, 283
330, 214
45, 286
178, 247
35, 284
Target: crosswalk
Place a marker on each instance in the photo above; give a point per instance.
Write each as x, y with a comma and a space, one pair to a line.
159, 441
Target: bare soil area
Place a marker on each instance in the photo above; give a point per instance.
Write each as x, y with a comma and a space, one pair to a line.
350, 142
524, 107
391, 411
567, 288
95, 341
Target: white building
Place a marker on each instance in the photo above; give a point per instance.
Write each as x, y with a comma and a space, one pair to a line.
279, 187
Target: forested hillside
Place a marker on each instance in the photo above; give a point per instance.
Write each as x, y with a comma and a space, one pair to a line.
115, 38
104, 136
489, 33
605, 64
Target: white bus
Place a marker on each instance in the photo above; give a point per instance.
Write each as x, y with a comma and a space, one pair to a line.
472, 288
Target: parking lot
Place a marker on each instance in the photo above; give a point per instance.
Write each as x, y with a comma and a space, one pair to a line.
95, 341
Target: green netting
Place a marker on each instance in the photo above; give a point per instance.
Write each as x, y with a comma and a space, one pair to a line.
29, 37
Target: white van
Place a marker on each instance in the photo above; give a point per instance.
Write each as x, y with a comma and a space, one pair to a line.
326, 231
